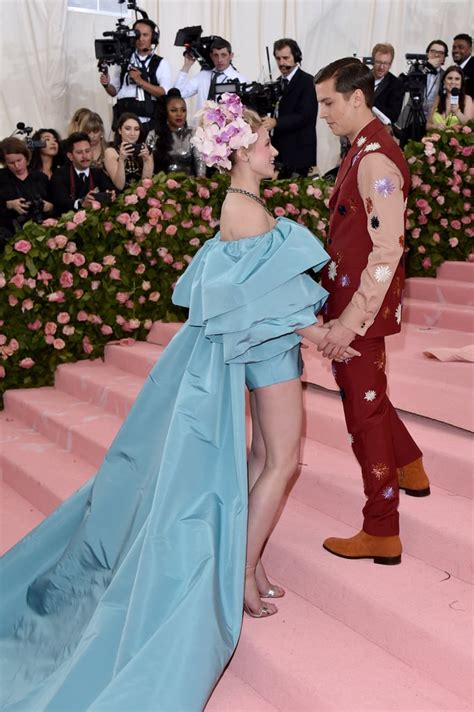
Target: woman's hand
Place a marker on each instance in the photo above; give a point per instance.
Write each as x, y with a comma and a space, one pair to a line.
145, 154
125, 150
19, 205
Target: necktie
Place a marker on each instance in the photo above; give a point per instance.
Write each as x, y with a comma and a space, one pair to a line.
82, 189
284, 83
212, 88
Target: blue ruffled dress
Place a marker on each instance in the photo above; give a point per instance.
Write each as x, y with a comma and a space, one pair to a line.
129, 596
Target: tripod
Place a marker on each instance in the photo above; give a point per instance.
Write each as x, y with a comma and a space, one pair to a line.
415, 122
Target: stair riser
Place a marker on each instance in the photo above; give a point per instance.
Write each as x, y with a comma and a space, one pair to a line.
433, 291
393, 631
462, 271
111, 400
120, 358
28, 486
438, 317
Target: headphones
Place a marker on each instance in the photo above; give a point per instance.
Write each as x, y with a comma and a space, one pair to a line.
155, 30
295, 50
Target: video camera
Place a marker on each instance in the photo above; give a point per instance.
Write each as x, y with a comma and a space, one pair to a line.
25, 131
415, 79
195, 45
262, 98
117, 48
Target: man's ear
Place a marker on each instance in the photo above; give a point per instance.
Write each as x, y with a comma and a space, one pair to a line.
69, 155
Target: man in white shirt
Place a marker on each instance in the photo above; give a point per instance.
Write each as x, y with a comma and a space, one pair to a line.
203, 84
147, 77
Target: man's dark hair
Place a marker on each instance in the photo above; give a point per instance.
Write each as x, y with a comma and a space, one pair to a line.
14, 145
466, 38
220, 43
349, 74
74, 138
440, 42
292, 45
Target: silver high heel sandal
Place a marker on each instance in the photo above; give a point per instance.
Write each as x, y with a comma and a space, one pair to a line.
264, 611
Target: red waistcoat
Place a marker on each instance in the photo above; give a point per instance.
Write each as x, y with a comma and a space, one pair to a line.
349, 243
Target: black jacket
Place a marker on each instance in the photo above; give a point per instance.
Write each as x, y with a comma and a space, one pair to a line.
468, 72
295, 133
35, 186
65, 188
388, 96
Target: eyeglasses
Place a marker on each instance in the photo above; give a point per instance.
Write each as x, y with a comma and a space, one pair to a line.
437, 52
383, 64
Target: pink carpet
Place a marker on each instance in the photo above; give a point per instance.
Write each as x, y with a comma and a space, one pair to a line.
349, 635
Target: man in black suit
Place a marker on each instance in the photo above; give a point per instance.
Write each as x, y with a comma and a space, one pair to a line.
462, 55
294, 119
389, 90
77, 185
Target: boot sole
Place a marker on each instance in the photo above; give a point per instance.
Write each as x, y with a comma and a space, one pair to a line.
384, 560
416, 492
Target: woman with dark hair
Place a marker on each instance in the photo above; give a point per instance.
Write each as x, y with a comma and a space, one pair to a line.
173, 149
46, 158
23, 193
92, 124
129, 158
451, 108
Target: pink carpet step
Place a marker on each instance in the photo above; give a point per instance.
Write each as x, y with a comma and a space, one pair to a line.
303, 660
461, 271
18, 517
436, 529
434, 314
143, 357
417, 613
447, 451
36, 467
234, 695
79, 427
444, 291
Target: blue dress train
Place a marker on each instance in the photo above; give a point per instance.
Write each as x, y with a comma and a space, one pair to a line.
129, 596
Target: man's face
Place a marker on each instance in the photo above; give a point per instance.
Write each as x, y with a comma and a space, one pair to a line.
221, 58
16, 163
382, 64
80, 156
143, 42
285, 61
336, 109
436, 55
461, 50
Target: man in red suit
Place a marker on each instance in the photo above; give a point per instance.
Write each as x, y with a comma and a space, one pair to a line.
365, 281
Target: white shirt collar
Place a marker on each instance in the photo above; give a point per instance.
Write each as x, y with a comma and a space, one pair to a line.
86, 171
292, 73
464, 63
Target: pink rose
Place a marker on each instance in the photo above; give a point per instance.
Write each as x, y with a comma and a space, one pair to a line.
195, 210
412, 160
106, 330
436, 237
426, 264
442, 156
440, 199
178, 266
22, 246
293, 188
56, 297
114, 273
187, 224
134, 323
422, 219
109, 260
425, 188
86, 345
195, 241
108, 226
171, 184
148, 324
167, 215
421, 249
168, 259
279, 211
267, 193
27, 305
416, 181
50, 327
68, 330
290, 208
453, 142
61, 241
415, 233
3, 339
147, 183
203, 229
26, 362
14, 345
453, 241
79, 259
140, 268
71, 246
147, 228
467, 151
66, 279
443, 222
459, 165
188, 259
2, 372
35, 325
122, 297
79, 217
63, 318
142, 299
94, 319
162, 251
171, 230
206, 213
82, 315
146, 286
456, 225
131, 199
153, 203
133, 248
59, 344
78, 293
123, 218
154, 296
3, 281
49, 222
95, 267
83, 273
421, 203
140, 191
44, 276
18, 281
70, 226
203, 192
68, 258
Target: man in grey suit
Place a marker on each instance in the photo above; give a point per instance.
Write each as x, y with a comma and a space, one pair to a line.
437, 52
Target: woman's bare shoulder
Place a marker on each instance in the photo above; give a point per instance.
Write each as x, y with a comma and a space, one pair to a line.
241, 218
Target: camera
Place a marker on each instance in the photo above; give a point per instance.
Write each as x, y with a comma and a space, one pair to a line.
35, 212
195, 45
137, 147
262, 98
415, 79
117, 48
369, 60
25, 131
103, 197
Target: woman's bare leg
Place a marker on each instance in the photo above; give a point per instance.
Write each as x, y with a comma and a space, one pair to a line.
279, 412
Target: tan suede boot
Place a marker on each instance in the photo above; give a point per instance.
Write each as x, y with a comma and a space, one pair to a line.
413, 479
382, 549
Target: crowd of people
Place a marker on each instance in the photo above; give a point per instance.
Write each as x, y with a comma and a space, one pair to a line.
152, 133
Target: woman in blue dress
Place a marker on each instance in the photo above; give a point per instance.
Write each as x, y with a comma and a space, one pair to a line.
130, 595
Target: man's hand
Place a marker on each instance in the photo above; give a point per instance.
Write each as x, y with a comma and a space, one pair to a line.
104, 78
88, 200
19, 205
269, 123
188, 62
135, 75
337, 339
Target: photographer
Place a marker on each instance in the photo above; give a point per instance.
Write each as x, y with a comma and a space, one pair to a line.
389, 90
146, 77
23, 193
77, 185
129, 159
204, 83
294, 117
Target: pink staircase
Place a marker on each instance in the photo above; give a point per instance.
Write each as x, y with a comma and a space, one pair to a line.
349, 635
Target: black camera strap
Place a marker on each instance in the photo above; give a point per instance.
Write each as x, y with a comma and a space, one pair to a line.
148, 69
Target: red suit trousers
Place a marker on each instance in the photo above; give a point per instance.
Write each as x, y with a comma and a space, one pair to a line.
380, 440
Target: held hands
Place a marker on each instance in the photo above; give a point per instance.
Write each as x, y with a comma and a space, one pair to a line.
335, 341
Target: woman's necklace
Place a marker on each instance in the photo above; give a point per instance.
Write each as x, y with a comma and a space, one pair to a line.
252, 196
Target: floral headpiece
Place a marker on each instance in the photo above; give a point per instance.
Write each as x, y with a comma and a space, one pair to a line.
222, 130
